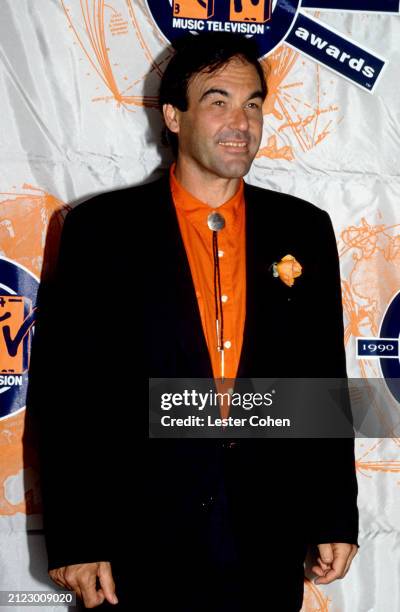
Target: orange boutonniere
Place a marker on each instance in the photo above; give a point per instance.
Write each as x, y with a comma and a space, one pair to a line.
287, 269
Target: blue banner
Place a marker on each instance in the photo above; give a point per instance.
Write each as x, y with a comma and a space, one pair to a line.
359, 6
333, 50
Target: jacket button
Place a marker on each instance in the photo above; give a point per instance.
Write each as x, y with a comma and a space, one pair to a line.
229, 444
208, 503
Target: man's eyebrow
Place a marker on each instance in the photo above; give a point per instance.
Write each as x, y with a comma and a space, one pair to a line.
214, 90
256, 94
222, 92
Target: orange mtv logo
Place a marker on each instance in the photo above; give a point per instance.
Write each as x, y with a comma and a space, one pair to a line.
193, 9
257, 11
11, 326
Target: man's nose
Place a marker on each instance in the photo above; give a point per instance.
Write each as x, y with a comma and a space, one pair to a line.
238, 119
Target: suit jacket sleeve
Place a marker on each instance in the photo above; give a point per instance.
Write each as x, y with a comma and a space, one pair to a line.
332, 461
70, 400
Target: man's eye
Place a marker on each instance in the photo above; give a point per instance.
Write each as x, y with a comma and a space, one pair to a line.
218, 102
253, 105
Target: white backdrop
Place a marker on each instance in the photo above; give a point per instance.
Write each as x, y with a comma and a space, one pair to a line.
78, 86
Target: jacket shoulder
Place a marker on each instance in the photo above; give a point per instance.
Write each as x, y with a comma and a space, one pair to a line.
283, 204
120, 202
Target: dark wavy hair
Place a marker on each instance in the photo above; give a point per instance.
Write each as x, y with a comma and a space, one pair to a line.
195, 53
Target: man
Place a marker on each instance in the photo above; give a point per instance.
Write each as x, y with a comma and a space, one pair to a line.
228, 523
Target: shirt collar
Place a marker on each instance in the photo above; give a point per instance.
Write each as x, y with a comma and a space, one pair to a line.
197, 211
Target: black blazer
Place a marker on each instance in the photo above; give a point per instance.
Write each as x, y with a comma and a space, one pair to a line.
124, 291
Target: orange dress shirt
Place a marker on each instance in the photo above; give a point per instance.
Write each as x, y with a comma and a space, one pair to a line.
197, 238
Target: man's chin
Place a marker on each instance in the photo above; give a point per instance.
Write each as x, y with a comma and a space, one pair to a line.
234, 169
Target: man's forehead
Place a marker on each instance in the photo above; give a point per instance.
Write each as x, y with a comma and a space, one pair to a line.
228, 72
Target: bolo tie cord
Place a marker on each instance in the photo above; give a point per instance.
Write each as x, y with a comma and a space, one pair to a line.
219, 315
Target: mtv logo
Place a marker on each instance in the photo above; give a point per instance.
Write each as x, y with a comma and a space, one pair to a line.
11, 320
193, 9
256, 11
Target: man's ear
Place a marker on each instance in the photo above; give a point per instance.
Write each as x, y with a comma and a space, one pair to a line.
171, 118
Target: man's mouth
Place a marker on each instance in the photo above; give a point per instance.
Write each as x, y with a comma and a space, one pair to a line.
234, 144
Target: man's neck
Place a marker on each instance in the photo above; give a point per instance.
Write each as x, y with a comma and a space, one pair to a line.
208, 188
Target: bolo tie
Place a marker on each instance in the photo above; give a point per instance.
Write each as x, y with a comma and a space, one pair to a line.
216, 223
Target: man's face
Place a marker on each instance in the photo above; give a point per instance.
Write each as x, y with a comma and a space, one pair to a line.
221, 131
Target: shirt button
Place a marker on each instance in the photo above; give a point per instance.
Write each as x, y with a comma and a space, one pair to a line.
220, 253
224, 298
228, 344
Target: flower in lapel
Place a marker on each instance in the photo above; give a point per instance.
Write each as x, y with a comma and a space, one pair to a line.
287, 269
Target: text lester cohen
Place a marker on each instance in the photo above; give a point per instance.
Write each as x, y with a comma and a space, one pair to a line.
196, 421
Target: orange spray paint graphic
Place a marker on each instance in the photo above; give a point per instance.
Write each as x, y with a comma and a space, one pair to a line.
297, 121
314, 600
108, 34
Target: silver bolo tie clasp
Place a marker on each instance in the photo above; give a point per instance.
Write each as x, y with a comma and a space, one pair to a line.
215, 222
